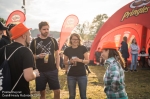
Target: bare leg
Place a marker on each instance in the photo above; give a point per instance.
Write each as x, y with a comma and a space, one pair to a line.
66, 69
42, 94
56, 94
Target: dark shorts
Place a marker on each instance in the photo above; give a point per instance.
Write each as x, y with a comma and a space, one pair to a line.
50, 77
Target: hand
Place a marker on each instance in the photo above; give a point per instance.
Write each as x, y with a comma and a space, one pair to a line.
77, 59
57, 67
71, 61
36, 72
42, 55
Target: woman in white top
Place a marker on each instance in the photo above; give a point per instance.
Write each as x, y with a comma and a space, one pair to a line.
134, 53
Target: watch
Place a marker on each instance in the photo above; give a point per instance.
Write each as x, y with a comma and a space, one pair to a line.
35, 73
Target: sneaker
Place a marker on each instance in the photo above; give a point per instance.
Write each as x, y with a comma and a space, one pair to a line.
143, 66
126, 70
131, 70
135, 70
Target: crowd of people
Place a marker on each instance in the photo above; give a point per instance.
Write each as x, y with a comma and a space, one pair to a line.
39, 59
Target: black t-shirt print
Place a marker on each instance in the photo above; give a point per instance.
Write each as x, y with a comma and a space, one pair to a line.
20, 60
78, 70
45, 46
142, 52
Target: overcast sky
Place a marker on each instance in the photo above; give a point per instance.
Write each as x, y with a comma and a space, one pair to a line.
55, 11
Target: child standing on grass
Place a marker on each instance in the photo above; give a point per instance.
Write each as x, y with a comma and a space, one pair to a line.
142, 58
114, 75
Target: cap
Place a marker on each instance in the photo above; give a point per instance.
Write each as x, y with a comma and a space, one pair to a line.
2, 27
18, 30
109, 45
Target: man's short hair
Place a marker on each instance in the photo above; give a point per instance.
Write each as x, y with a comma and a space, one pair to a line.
43, 23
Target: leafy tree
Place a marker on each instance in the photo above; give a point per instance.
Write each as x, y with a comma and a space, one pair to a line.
97, 23
2, 20
82, 30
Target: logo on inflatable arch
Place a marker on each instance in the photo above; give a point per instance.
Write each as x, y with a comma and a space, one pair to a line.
138, 7
139, 3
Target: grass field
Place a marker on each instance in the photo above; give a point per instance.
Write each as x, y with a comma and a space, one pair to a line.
137, 85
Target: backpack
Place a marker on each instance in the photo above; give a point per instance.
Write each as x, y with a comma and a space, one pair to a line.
5, 75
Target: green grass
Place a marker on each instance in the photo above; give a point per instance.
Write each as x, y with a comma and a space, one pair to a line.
137, 85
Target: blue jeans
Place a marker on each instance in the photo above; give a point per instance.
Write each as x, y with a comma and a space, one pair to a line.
134, 61
82, 83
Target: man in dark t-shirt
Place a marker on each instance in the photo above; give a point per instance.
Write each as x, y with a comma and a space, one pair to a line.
21, 61
45, 51
3, 38
143, 58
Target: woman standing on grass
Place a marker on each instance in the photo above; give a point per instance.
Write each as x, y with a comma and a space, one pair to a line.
76, 56
114, 75
124, 51
134, 53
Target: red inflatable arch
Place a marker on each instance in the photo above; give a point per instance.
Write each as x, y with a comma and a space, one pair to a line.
132, 20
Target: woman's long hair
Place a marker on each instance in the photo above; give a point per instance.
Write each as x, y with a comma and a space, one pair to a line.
117, 55
133, 42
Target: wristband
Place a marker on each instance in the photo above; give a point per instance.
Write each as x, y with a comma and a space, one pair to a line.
38, 56
35, 73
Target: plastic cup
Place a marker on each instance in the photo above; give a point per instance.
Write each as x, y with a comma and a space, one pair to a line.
75, 63
46, 58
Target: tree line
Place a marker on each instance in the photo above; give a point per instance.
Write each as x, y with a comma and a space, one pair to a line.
87, 30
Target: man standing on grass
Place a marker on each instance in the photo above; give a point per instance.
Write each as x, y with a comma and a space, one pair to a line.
21, 63
45, 51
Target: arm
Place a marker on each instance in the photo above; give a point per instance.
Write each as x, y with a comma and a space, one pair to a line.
115, 80
134, 48
56, 53
57, 59
122, 47
30, 74
66, 62
115, 77
86, 58
28, 65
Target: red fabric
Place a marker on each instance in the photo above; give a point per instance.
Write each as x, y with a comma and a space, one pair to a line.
18, 30
114, 25
16, 17
109, 45
69, 24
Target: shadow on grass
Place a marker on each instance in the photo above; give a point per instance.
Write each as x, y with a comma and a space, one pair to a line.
137, 83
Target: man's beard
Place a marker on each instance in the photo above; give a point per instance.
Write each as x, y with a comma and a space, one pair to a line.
27, 44
44, 34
